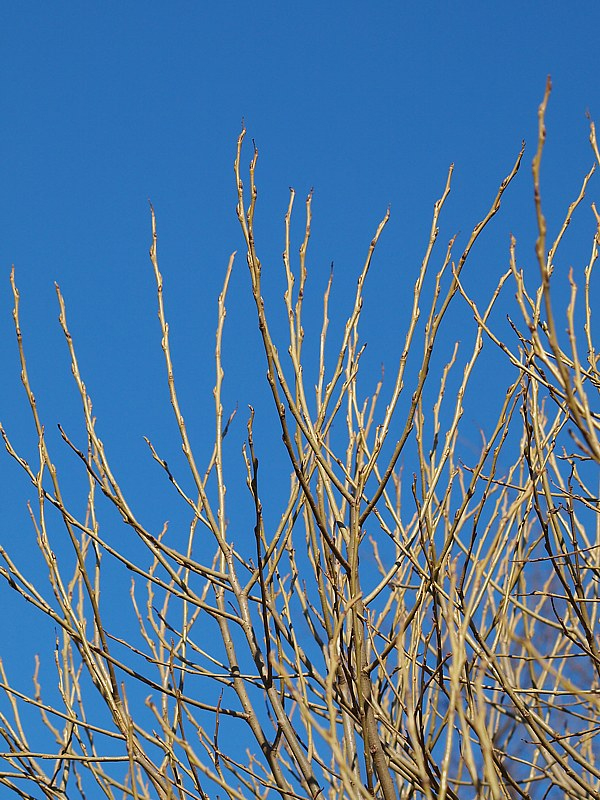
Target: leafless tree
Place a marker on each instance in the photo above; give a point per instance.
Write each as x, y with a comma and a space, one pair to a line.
429, 636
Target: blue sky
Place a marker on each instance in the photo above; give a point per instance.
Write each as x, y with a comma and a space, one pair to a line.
105, 106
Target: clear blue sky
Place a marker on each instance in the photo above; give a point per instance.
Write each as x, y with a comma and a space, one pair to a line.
106, 105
